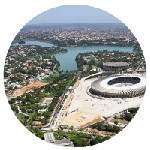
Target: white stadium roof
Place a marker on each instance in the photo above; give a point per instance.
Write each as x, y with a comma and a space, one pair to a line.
105, 84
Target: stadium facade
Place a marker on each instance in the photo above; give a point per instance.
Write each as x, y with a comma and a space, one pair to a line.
115, 65
119, 86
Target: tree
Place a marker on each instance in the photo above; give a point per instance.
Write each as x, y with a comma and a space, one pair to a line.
100, 126
81, 129
99, 139
128, 116
27, 82
23, 110
93, 142
26, 117
85, 142
133, 110
78, 143
116, 117
14, 108
71, 42
115, 122
109, 128
72, 127
116, 129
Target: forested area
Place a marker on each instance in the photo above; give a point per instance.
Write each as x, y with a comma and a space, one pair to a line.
100, 127
29, 63
80, 139
137, 48
30, 102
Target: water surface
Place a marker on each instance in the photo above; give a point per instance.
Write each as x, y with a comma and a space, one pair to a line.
67, 60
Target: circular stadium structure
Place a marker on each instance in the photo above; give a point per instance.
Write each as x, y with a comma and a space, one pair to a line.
120, 86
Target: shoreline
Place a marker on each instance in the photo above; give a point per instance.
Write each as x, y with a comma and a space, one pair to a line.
69, 45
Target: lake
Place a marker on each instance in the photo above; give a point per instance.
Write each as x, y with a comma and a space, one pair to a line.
67, 60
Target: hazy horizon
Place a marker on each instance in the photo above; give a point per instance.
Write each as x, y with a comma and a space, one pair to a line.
74, 25
73, 14
71, 23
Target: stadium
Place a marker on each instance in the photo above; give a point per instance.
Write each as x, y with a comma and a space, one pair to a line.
119, 86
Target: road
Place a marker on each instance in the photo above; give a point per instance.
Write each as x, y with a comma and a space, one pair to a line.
54, 68
56, 111
138, 67
84, 78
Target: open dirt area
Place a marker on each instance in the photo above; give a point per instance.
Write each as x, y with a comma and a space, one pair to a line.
81, 118
28, 88
36, 123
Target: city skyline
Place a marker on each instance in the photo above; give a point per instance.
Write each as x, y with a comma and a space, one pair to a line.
74, 14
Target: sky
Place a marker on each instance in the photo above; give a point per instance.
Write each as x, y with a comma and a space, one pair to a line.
74, 14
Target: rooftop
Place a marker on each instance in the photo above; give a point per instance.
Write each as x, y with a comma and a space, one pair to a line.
64, 142
115, 64
49, 137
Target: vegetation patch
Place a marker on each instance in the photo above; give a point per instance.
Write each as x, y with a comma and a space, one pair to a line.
19, 116
119, 120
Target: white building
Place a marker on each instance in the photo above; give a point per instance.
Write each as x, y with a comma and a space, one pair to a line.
42, 110
49, 137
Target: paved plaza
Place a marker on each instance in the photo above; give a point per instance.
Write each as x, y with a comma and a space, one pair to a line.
84, 108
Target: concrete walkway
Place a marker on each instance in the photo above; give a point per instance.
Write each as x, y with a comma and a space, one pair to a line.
22, 112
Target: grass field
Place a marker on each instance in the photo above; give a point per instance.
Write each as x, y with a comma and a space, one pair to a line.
30, 115
55, 75
47, 80
92, 57
20, 116
94, 67
50, 79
